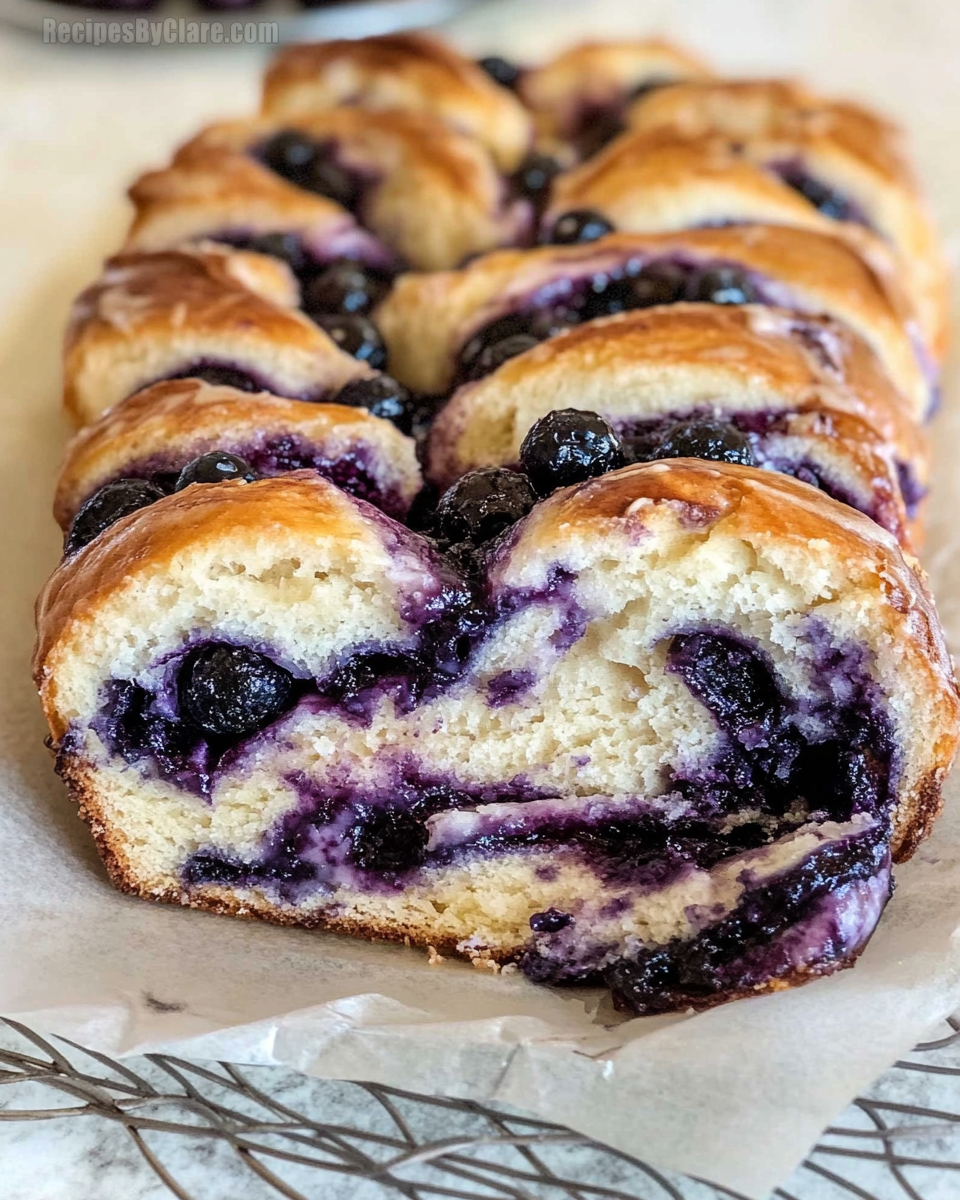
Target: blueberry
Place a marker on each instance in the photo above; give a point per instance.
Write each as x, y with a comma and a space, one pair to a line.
598, 132
567, 446
495, 355
344, 287
113, 501
381, 396
495, 331
387, 840
285, 246
482, 504
711, 438
218, 376
735, 682
215, 467
543, 323
659, 283
500, 70
580, 225
825, 199
327, 179
356, 335
533, 177
307, 163
291, 154
468, 560
723, 285
550, 921
361, 672
232, 691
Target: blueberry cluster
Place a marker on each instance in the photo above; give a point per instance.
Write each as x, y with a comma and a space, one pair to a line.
696, 437
122, 497
500, 70
339, 295
310, 164
565, 447
532, 179
632, 287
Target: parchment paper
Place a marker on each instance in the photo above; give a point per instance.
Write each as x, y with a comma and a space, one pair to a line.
736, 1095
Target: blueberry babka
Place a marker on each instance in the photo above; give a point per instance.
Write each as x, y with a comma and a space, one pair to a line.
589, 638
670, 738
792, 393
435, 324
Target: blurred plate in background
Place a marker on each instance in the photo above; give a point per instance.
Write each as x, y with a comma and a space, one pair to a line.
295, 21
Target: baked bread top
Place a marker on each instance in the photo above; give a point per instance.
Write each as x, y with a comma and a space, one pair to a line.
222, 194
569, 90
654, 180
428, 318
151, 316
774, 109
166, 425
433, 195
409, 72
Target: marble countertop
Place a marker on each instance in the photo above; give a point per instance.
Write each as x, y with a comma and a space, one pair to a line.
74, 1127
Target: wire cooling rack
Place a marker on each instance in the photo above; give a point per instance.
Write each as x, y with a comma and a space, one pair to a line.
208, 1130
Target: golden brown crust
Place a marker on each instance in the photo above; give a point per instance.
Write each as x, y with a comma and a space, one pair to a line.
597, 75
435, 196
153, 315
410, 72
228, 193
775, 109
427, 318
649, 181
177, 420
845, 145
684, 356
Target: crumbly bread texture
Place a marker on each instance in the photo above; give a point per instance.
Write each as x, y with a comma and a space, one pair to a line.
150, 316
600, 76
433, 196
648, 181
409, 72
292, 564
160, 429
428, 317
846, 417
227, 194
